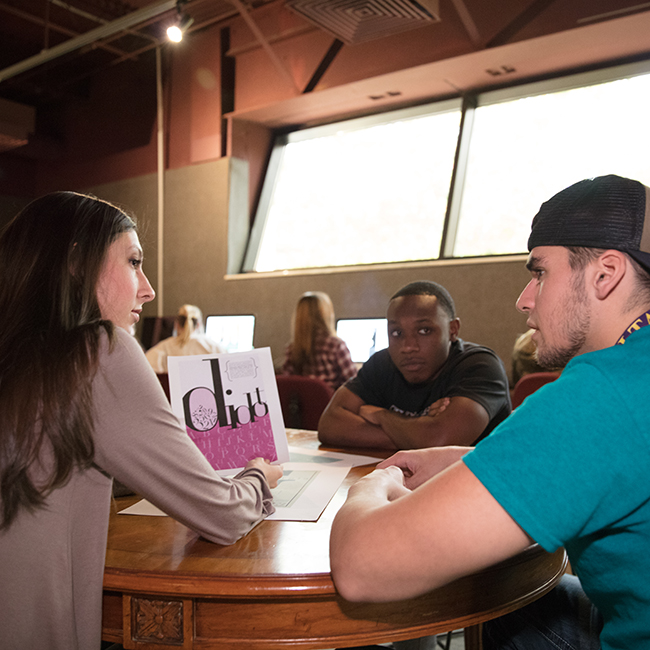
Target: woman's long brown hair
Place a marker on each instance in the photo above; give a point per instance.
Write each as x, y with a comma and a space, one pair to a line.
51, 255
313, 318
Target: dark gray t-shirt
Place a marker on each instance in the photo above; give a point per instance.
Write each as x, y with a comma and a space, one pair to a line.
471, 370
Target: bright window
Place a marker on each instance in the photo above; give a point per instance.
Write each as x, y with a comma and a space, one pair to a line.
524, 151
379, 189
359, 194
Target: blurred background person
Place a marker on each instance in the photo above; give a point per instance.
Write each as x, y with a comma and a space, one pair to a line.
314, 349
524, 357
188, 338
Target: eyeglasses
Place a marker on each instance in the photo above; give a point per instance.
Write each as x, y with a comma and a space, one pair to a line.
181, 320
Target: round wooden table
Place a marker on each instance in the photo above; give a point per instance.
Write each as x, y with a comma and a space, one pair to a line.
165, 587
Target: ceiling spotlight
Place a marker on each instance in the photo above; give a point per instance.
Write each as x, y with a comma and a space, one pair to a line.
176, 30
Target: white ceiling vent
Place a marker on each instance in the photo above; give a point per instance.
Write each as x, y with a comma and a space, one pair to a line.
357, 21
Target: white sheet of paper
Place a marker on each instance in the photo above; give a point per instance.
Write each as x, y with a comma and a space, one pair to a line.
143, 507
329, 458
302, 493
305, 489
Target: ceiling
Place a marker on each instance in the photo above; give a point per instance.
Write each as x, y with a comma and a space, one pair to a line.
49, 49
32, 28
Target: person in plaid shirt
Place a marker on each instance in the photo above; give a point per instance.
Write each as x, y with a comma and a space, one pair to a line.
315, 350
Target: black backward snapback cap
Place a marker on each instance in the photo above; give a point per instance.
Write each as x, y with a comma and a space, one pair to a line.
603, 212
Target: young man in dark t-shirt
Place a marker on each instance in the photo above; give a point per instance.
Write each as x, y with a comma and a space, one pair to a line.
429, 388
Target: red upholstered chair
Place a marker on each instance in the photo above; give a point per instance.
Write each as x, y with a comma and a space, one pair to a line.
303, 399
529, 384
163, 378
155, 329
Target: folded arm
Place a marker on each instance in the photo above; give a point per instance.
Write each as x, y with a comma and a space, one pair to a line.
348, 421
461, 422
342, 425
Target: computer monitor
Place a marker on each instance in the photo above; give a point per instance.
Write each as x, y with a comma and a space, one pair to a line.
234, 332
363, 336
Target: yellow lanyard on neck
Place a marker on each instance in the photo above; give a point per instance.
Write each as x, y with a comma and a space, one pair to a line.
637, 324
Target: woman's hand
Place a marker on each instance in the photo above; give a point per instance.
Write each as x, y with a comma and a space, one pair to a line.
272, 473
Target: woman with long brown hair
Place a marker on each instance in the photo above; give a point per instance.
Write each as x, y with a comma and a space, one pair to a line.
80, 405
315, 350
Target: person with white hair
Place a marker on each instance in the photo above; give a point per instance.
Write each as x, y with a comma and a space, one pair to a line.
188, 338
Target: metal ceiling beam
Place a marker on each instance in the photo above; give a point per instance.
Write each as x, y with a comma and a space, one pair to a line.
96, 19
23, 15
119, 25
524, 18
280, 67
468, 22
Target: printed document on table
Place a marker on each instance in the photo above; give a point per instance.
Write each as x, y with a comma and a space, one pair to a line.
329, 458
302, 493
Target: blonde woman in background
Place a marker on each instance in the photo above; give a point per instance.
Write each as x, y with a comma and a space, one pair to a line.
315, 350
188, 338
524, 357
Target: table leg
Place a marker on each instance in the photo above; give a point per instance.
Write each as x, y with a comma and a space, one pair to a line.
474, 637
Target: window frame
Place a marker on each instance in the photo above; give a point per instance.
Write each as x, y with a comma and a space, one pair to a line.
468, 104
275, 160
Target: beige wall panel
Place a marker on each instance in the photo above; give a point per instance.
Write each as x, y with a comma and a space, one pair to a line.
195, 234
195, 245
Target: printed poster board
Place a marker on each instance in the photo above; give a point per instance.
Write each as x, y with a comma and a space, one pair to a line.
230, 407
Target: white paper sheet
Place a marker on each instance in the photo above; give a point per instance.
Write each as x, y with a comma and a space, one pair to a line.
329, 458
143, 507
305, 489
301, 495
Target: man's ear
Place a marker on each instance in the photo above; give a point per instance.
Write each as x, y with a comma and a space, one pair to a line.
607, 272
454, 328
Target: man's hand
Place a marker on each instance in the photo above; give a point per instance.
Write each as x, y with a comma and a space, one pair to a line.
419, 465
388, 482
272, 473
438, 407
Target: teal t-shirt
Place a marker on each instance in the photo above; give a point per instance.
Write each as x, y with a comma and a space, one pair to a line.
571, 466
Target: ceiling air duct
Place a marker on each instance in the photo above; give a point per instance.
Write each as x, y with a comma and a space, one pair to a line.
358, 21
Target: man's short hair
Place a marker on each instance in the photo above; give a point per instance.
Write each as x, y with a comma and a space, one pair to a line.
427, 288
602, 213
581, 256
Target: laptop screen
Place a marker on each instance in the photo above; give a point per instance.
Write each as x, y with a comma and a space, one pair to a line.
234, 332
363, 336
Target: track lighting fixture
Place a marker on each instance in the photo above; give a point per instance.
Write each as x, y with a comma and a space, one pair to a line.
176, 30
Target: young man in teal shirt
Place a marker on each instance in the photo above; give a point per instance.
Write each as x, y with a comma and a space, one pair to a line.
568, 468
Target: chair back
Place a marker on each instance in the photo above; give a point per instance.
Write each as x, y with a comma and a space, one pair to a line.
155, 329
529, 384
163, 378
302, 399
